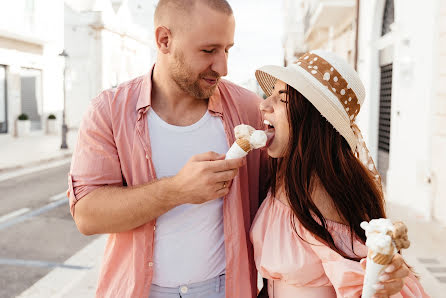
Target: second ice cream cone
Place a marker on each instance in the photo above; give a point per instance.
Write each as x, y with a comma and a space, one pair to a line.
244, 144
382, 259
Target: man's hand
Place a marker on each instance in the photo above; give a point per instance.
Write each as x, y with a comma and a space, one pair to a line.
205, 177
392, 279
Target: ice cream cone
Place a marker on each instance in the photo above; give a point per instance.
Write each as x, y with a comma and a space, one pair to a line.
371, 278
383, 240
236, 150
247, 139
382, 259
376, 262
244, 144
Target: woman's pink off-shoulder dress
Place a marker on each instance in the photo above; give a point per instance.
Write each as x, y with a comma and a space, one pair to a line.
295, 268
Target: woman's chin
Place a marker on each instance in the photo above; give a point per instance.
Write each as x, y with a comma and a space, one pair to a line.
273, 153
274, 150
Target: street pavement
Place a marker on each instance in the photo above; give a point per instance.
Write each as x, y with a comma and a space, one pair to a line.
37, 232
33, 150
427, 252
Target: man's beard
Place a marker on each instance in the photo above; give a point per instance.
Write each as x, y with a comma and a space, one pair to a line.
185, 79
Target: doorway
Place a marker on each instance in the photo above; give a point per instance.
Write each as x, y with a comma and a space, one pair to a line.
31, 96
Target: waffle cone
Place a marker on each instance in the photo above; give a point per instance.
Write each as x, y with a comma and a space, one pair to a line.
379, 258
244, 144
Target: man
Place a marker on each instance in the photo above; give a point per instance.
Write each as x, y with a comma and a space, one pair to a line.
178, 218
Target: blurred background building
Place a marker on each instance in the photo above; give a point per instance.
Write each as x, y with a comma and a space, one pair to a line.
105, 42
31, 37
399, 49
108, 42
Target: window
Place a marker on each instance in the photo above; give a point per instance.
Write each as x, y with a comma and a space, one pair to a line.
385, 103
388, 17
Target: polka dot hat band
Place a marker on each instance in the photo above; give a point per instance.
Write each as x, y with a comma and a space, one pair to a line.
333, 87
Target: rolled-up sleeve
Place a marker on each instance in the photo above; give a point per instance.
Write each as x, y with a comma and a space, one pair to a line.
95, 161
347, 276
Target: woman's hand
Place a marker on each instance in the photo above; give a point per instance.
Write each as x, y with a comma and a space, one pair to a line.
392, 278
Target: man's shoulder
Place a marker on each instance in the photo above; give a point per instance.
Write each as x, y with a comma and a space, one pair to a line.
134, 83
121, 94
239, 93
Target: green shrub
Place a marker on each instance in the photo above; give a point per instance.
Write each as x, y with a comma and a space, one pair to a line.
51, 116
23, 116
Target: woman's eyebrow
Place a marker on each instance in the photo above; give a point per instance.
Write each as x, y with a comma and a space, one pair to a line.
283, 91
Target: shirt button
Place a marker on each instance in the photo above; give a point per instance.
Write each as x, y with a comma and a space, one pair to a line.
150, 264
183, 289
147, 156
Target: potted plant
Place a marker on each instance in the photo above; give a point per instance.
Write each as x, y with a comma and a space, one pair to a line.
51, 127
23, 125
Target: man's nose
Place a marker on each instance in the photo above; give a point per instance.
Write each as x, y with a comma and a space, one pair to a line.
220, 64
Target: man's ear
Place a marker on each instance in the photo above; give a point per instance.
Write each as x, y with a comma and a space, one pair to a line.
163, 38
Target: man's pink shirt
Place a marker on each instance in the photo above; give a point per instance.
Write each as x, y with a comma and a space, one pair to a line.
113, 148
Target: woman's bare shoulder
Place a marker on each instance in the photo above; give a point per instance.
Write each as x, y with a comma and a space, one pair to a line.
325, 204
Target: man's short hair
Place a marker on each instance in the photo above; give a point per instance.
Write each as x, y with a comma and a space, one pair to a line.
186, 6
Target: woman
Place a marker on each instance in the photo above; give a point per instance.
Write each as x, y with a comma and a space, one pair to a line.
306, 235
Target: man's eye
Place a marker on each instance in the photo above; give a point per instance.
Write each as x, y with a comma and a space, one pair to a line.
208, 51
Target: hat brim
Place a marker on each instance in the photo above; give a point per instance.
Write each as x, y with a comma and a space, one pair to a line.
319, 95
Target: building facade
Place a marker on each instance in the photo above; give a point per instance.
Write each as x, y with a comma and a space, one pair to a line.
31, 37
294, 25
108, 42
399, 50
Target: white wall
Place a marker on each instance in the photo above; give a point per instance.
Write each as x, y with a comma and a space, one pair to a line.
114, 48
409, 158
439, 117
83, 45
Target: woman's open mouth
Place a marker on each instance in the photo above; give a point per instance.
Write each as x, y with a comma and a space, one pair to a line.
270, 132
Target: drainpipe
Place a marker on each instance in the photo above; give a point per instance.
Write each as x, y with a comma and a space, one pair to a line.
356, 35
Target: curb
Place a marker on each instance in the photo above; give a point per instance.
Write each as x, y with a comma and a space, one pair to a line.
35, 163
40, 166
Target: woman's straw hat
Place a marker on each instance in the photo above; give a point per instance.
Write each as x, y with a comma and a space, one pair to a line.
328, 82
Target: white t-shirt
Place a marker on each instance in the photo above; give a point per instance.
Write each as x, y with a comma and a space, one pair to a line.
189, 239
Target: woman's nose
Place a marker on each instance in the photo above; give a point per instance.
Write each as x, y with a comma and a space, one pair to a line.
265, 106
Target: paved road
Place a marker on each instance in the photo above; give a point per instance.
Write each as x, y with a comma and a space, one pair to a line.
37, 233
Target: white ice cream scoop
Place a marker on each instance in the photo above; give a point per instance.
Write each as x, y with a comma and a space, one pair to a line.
258, 139
247, 138
243, 131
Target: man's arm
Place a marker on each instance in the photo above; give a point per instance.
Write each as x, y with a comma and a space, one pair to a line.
112, 209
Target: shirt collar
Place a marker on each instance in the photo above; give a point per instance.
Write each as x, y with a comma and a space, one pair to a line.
214, 105
145, 96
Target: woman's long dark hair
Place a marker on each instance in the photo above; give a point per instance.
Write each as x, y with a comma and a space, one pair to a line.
316, 149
